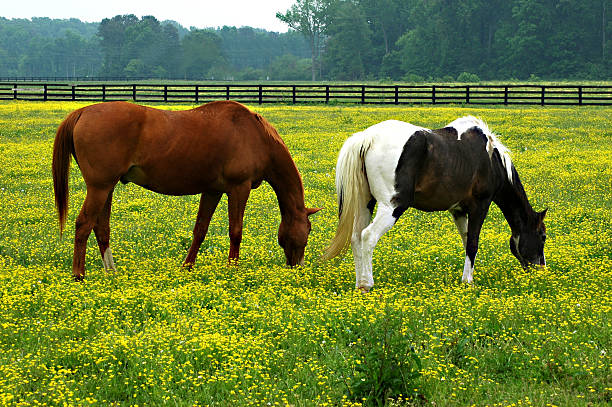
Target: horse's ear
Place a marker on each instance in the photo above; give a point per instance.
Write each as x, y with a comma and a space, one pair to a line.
541, 216
312, 211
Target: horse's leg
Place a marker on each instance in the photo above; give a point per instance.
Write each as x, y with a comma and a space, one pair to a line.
475, 219
92, 207
102, 232
236, 202
364, 215
383, 221
208, 204
461, 221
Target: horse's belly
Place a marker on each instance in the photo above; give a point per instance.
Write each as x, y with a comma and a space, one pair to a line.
437, 199
432, 205
173, 182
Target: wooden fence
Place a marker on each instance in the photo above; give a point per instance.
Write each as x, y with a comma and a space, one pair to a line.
320, 94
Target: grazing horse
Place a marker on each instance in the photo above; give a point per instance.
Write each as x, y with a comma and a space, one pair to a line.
461, 168
220, 147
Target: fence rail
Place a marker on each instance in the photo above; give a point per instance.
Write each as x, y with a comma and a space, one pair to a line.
292, 94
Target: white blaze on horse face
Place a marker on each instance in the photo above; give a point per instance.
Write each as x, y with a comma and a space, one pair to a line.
468, 271
107, 260
516, 242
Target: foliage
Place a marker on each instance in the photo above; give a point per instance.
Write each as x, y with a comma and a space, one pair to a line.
309, 17
126, 46
259, 333
348, 48
55, 47
290, 68
386, 364
468, 77
344, 39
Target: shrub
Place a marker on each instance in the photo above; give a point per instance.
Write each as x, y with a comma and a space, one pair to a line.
414, 78
387, 365
468, 77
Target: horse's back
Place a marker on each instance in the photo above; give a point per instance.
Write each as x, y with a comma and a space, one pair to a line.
172, 152
439, 167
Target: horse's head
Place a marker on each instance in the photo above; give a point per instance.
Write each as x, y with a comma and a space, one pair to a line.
528, 245
293, 236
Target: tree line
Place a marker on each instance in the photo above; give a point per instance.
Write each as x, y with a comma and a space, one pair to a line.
417, 40
409, 40
130, 47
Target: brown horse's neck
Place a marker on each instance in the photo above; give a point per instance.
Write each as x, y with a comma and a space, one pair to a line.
513, 202
285, 179
283, 175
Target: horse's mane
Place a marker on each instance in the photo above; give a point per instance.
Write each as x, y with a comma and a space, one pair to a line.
462, 124
269, 129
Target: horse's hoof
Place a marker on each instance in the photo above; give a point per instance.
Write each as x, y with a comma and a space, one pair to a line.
78, 277
363, 290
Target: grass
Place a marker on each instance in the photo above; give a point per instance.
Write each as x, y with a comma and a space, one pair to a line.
260, 333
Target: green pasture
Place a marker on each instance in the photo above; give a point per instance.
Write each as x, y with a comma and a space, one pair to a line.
263, 334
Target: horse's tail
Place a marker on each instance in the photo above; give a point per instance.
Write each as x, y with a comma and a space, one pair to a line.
63, 147
352, 189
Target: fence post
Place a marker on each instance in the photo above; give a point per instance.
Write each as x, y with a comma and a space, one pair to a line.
396, 94
73, 92
580, 95
227, 92
45, 93
197, 97
505, 95
542, 96
467, 94
293, 95
326, 93
134, 93
103, 92
260, 94
165, 93
433, 94
15, 91
363, 95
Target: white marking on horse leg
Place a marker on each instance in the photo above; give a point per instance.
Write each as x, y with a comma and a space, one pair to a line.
468, 271
383, 221
357, 258
107, 259
462, 226
361, 222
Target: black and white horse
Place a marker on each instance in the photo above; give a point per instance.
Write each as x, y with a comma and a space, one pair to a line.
461, 168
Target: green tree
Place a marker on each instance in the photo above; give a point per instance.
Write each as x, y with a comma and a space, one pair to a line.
201, 54
113, 40
289, 67
348, 49
309, 18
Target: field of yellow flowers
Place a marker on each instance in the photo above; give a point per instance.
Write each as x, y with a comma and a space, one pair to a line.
263, 334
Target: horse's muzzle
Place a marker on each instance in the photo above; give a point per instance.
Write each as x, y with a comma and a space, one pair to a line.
295, 263
542, 261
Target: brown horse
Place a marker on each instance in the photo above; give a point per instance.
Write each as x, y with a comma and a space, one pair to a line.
220, 147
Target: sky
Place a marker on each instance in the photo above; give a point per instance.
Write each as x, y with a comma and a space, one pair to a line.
189, 13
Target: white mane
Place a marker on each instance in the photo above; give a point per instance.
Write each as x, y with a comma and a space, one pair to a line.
462, 124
